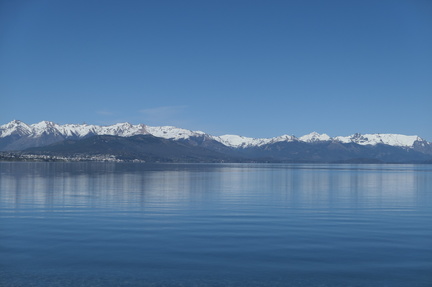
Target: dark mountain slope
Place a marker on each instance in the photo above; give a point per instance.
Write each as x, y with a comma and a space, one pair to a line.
331, 151
143, 147
202, 149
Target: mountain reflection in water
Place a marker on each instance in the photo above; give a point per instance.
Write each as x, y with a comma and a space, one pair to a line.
112, 224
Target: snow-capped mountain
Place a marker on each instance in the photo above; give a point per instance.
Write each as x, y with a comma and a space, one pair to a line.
75, 130
366, 139
18, 135
387, 139
15, 128
236, 141
315, 137
169, 132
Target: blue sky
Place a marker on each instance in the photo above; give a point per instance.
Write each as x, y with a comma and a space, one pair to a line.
254, 68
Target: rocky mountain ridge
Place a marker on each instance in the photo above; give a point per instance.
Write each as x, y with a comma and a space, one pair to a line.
124, 141
17, 135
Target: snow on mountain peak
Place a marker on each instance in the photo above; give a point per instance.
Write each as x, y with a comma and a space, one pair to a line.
374, 139
19, 128
244, 142
283, 138
44, 127
120, 129
77, 130
237, 141
170, 132
15, 127
13, 124
314, 137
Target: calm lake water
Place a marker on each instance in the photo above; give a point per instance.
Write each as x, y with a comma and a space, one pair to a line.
125, 224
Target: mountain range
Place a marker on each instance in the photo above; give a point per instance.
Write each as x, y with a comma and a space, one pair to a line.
168, 143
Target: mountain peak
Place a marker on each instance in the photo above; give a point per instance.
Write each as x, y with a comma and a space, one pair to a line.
13, 123
125, 129
374, 139
315, 137
16, 122
15, 127
44, 124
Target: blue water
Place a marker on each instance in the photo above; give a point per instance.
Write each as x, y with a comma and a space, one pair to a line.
124, 224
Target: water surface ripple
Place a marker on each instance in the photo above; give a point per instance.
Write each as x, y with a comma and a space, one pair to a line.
130, 224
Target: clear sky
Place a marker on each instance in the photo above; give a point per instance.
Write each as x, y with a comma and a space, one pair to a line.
253, 68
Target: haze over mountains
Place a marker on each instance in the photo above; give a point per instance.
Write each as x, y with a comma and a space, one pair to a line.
167, 143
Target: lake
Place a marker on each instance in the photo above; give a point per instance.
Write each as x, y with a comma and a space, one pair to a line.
135, 224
